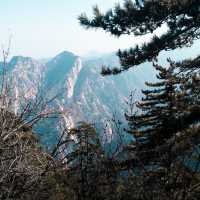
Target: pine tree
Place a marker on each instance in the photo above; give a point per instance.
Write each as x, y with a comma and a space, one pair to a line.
84, 159
143, 17
157, 109
166, 127
169, 106
181, 17
190, 72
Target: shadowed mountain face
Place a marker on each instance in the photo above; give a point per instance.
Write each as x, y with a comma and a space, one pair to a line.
58, 68
82, 93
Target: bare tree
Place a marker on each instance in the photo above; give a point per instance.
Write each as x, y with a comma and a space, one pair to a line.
23, 164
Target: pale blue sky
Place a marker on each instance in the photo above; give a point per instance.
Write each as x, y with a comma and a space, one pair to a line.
43, 28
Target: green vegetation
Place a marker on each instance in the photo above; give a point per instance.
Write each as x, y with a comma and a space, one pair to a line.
163, 162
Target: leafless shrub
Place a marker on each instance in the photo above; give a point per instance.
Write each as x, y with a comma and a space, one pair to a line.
24, 166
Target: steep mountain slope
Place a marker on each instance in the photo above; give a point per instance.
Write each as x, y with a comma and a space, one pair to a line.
57, 69
25, 77
98, 99
81, 92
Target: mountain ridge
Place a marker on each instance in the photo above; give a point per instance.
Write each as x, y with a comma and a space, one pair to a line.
83, 94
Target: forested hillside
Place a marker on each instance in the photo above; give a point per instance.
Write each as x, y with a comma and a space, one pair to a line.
124, 128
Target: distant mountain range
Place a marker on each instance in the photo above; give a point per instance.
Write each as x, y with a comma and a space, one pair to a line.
82, 93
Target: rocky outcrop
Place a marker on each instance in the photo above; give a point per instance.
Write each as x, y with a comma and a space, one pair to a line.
82, 94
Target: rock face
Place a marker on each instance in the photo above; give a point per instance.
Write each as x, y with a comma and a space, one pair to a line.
81, 92
25, 76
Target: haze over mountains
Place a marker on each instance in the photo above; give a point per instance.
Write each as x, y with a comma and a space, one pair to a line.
82, 93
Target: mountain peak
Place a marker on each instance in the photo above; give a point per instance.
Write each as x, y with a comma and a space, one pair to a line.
17, 59
59, 67
63, 59
65, 54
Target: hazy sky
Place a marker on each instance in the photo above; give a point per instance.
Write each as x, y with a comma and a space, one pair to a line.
43, 28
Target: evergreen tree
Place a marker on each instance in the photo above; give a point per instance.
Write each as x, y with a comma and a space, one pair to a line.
157, 109
169, 106
166, 127
143, 17
175, 112
189, 70
84, 159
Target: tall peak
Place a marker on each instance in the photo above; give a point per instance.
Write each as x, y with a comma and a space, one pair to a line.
17, 59
65, 54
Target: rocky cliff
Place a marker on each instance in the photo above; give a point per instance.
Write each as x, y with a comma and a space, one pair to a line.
82, 94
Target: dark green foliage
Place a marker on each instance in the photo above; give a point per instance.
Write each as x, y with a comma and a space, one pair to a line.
90, 174
162, 163
166, 123
83, 159
173, 103
157, 110
180, 17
